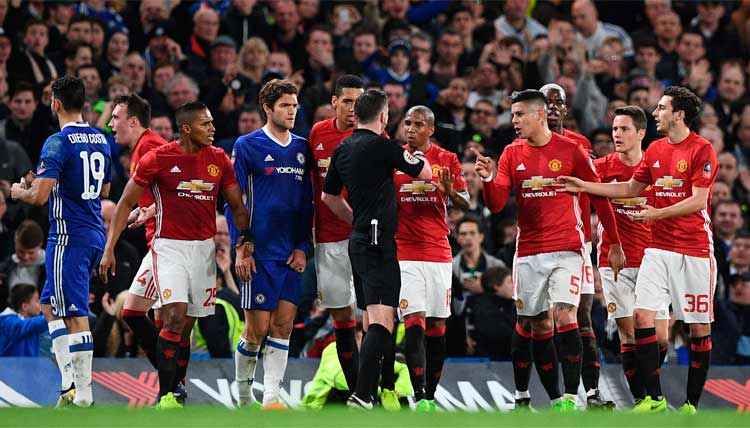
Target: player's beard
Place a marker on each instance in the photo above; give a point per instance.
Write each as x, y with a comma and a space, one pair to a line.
281, 124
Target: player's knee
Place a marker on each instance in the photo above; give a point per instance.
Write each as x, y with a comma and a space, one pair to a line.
435, 323
565, 313
342, 314
643, 318
281, 330
541, 325
700, 330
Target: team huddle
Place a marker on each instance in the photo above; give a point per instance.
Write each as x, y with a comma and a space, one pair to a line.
339, 193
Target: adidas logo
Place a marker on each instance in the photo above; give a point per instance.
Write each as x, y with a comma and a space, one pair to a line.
656, 164
269, 158
521, 167
319, 146
72, 308
175, 170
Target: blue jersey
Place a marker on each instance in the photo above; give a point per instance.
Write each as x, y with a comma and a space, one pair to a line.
78, 157
277, 189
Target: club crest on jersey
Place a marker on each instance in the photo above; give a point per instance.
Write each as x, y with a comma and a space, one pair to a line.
417, 187
436, 170
554, 165
213, 170
537, 182
403, 304
519, 304
300, 158
611, 308
167, 293
682, 165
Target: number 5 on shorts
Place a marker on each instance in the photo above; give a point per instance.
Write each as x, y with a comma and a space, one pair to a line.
575, 285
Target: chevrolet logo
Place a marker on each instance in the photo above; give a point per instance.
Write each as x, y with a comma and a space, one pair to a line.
417, 187
195, 186
537, 182
324, 163
630, 202
668, 182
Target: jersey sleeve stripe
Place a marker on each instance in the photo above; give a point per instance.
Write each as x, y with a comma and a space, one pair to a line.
159, 210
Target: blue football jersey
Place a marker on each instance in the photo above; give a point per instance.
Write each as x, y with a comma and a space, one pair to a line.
277, 189
78, 157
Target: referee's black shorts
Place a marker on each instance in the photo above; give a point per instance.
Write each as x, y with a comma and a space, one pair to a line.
377, 277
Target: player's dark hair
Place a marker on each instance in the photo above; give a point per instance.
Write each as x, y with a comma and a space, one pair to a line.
137, 107
528, 95
23, 86
186, 112
635, 113
20, 294
272, 91
493, 276
71, 93
29, 235
683, 99
369, 105
347, 81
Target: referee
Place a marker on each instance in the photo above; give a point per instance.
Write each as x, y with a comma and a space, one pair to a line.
364, 164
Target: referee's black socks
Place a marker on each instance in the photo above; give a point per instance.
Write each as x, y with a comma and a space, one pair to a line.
387, 371
414, 344
167, 348
377, 339
346, 348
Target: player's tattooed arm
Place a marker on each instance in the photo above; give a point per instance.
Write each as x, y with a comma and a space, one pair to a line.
35, 193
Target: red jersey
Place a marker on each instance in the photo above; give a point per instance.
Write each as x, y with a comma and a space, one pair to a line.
422, 233
673, 170
583, 198
185, 187
611, 169
548, 220
148, 141
324, 138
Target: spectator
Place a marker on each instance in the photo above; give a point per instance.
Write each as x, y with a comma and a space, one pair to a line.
30, 61
286, 36
493, 315
647, 56
29, 123
727, 221
21, 323
516, 23
449, 49
365, 55
76, 55
26, 264
421, 51
6, 234
731, 89
135, 71
59, 16
248, 121
739, 254
180, 90
162, 125
244, 20
595, 32
92, 81
667, 30
117, 47
722, 40
733, 324
397, 102
252, 62
205, 31
673, 67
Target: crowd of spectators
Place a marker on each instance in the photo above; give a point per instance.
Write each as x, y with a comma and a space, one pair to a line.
460, 58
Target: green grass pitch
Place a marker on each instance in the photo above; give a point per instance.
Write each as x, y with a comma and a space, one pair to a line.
214, 417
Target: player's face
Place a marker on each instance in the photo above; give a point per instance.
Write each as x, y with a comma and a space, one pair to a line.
121, 125
664, 115
418, 129
526, 118
284, 111
344, 105
556, 108
624, 134
202, 129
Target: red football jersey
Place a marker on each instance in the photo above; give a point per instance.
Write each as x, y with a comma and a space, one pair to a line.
611, 169
673, 170
548, 220
422, 233
583, 198
148, 141
324, 138
185, 187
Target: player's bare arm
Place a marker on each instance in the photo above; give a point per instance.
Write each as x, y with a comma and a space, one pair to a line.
139, 216
459, 200
36, 193
484, 166
339, 206
104, 194
616, 255
129, 199
245, 263
696, 202
629, 189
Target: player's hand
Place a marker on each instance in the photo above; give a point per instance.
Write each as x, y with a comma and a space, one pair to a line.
139, 216
571, 184
616, 258
245, 263
108, 304
646, 215
17, 190
598, 288
297, 261
445, 181
483, 166
105, 265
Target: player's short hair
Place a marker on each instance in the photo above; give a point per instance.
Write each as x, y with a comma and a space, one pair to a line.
20, 294
635, 113
137, 107
424, 111
186, 112
272, 91
493, 276
683, 99
29, 235
369, 105
71, 93
347, 81
528, 95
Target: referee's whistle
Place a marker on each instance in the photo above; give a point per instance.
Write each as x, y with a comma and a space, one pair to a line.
374, 232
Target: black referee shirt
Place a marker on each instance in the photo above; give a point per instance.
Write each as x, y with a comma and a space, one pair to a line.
364, 164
